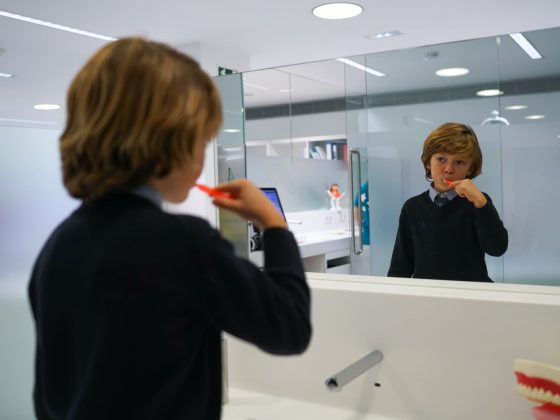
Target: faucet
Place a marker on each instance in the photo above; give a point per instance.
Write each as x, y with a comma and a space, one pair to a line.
349, 373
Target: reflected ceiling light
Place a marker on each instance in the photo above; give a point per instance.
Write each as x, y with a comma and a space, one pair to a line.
56, 26
516, 107
255, 86
452, 72
361, 67
6, 75
337, 10
380, 35
526, 45
495, 118
286, 90
535, 117
46, 107
489, 92
232, 130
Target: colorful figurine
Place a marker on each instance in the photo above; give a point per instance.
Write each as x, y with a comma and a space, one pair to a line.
335, 195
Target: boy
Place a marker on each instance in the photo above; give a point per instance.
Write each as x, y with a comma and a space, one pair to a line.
129, 301
444, 232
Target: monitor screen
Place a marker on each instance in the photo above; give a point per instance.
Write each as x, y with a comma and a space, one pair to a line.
272, 195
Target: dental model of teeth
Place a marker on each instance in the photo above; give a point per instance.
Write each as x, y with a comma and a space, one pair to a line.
539, 383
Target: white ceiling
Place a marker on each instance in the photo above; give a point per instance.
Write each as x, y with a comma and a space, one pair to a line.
263, 33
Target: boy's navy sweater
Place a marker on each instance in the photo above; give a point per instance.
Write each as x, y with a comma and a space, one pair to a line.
447, 242
130, 302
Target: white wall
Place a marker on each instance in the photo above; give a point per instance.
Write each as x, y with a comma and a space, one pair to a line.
33, 202
448, 348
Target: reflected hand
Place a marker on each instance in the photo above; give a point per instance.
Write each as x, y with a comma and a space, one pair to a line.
467, 189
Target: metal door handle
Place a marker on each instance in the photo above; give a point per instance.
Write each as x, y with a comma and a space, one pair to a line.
360, 249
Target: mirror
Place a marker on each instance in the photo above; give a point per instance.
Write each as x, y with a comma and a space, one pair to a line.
294, 111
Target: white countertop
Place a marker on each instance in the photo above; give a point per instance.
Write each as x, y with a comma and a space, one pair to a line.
322, 242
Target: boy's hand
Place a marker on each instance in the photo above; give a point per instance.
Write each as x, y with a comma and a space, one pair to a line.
250, 203
467, 189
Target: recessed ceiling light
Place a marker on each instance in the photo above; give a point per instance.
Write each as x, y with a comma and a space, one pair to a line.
535, 117
56, 26
490, 92
516, 107
6, 75
526, 45
337, 10
46, 107
452, 72
361, 67
380, 35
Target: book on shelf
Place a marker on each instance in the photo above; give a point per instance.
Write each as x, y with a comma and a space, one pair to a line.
320, 152
329, 150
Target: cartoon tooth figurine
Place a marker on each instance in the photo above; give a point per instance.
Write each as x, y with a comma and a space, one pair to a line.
540, 383
335, 195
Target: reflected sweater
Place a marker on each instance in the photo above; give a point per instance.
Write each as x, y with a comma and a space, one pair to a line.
129, 303
447, 242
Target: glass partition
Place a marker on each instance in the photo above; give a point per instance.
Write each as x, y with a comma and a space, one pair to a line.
530, 154
230, 156
295, 139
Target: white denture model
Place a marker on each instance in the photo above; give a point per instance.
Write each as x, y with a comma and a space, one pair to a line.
539, 383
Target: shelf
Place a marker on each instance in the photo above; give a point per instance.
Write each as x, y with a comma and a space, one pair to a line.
330, 137
329, 147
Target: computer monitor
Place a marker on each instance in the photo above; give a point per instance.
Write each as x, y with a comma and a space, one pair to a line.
273, 196
255, 243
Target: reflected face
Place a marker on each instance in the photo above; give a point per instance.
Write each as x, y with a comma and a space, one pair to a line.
450, 166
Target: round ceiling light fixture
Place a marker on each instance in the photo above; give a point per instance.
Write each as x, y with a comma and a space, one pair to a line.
46, 107
489, 92
337, 10
452, 72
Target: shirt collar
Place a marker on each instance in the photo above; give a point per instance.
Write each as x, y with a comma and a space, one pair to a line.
451, 194
149, 193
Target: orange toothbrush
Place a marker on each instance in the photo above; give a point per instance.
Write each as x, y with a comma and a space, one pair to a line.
212, 192
448, 182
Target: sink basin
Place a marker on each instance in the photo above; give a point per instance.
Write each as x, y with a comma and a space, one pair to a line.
249, 405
